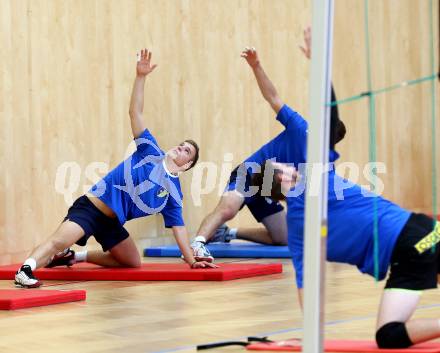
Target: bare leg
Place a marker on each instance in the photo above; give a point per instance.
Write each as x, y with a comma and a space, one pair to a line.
421, 330
274, 233
227, 208
125, 254
399, 305
67, 234
102, 258
257, 235
276, 224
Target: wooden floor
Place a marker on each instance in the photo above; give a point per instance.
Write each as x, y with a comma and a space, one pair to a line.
177, 316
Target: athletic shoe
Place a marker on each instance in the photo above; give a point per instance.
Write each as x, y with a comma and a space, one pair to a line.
65, 258
24, 278
221, 235
201, 253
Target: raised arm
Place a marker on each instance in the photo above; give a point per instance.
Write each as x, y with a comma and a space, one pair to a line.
267, 88
143, 68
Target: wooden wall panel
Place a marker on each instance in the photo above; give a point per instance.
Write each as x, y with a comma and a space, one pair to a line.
66, 70
399, 51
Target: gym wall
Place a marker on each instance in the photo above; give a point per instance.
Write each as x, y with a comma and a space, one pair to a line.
67, 67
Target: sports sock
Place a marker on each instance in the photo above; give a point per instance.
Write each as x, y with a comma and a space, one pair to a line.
200, 238
233, 233
81, 256
31, 262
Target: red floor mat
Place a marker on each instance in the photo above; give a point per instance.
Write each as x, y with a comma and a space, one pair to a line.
149, 272
345, 346
11, 299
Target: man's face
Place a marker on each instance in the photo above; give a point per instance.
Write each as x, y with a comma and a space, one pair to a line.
182, 154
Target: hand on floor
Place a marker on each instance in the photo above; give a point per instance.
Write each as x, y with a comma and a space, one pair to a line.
203, 264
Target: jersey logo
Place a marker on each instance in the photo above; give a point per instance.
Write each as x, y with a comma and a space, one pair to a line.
162, 192
430, 240
157, 177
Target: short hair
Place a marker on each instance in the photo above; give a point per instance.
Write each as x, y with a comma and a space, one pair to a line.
258, 180
340, 131
337, 127
196, 156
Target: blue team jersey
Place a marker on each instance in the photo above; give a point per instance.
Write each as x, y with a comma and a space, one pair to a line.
289, 146
350, 227
141, 186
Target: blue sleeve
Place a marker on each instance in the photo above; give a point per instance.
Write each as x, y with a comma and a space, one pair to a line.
147, 145
291, 119
172, 214
296, 245
297, 258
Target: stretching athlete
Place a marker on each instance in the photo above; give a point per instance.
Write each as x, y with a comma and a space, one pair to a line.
407, 242
144, 184
284, 148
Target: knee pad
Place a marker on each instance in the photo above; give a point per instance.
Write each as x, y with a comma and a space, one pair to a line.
393, 335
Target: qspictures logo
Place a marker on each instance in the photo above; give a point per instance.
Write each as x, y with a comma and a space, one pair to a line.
208, 177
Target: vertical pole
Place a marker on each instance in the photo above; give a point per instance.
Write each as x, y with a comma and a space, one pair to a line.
315, 231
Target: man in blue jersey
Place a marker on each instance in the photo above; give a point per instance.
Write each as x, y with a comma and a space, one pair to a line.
144, 184
407, 242
287, 147
407, 247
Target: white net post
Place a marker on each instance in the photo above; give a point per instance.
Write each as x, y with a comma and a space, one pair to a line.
315, 229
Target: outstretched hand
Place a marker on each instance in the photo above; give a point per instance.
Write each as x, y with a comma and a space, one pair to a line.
203, 264
307, 47
144, 66
251, 56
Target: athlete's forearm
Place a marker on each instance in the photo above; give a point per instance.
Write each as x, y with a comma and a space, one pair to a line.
137, 106
267, 88
182, 241
137, 96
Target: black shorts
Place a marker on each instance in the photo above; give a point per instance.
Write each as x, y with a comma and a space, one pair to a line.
260, 206
409, 269
107, 231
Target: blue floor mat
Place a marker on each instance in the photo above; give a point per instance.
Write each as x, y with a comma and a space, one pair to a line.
234, 249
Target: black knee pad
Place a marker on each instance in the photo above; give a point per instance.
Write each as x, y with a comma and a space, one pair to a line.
393, 335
